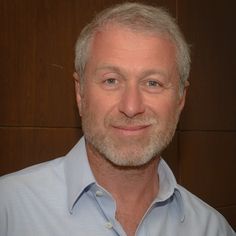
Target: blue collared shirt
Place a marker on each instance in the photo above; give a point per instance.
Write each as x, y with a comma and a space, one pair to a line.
61, 197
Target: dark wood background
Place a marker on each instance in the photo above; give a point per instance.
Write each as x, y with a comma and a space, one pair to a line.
39, 119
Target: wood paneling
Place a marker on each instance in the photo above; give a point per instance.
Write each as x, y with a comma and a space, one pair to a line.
22, 147
209, 28
208, 163
36, 83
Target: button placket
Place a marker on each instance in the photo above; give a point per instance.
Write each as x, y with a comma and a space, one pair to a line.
106, 206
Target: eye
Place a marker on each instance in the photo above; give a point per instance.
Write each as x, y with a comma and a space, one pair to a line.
111, 81
153, 83
152, 86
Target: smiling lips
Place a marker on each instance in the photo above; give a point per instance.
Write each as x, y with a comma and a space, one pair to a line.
131, 130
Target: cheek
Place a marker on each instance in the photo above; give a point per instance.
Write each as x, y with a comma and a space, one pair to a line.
97, 105
165, 107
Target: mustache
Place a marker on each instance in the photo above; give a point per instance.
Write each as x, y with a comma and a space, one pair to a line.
134, 121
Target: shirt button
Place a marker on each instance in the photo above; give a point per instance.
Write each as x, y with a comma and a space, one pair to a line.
108, 225
99, 193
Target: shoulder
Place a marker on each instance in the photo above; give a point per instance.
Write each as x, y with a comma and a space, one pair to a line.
206, 217
32, 177
38, 187
194, 205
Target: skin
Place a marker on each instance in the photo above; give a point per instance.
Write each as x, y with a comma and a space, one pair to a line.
130, 93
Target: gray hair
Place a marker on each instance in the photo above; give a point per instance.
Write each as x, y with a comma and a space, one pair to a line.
137, 17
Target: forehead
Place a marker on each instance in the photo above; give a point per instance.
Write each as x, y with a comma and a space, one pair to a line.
118, 33
116, 44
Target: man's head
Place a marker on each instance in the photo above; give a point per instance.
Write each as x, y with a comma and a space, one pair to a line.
132, 64
140, 18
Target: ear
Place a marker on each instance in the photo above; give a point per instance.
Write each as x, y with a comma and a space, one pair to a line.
78, 91
183, 96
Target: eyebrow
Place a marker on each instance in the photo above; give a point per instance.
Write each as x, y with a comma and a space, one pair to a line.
153, 72
109, 67
143, 74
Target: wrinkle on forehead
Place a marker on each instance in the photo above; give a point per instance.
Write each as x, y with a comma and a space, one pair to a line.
122, 48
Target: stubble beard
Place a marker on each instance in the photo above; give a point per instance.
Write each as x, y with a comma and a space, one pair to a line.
132, 151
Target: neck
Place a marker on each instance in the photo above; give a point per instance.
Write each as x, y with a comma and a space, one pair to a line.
129, 186
118, 179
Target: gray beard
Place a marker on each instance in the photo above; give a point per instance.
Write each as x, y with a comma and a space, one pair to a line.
133, 152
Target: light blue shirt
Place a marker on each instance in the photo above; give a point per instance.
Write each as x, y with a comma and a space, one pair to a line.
61, 198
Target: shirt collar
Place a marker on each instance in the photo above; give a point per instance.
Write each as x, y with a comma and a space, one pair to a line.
78, 173
168, 188
167, 181
79, 176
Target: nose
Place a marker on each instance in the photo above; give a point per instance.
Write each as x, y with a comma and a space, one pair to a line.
131, 102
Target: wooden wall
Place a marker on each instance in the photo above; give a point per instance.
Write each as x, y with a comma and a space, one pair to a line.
39, 119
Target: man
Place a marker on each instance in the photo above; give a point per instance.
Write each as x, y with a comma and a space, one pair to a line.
132, 65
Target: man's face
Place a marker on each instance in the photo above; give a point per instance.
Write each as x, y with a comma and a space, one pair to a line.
129, 102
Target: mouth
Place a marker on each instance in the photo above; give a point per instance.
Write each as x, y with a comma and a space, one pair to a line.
129, 130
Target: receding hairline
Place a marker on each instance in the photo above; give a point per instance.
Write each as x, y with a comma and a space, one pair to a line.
138, 17
110, 25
